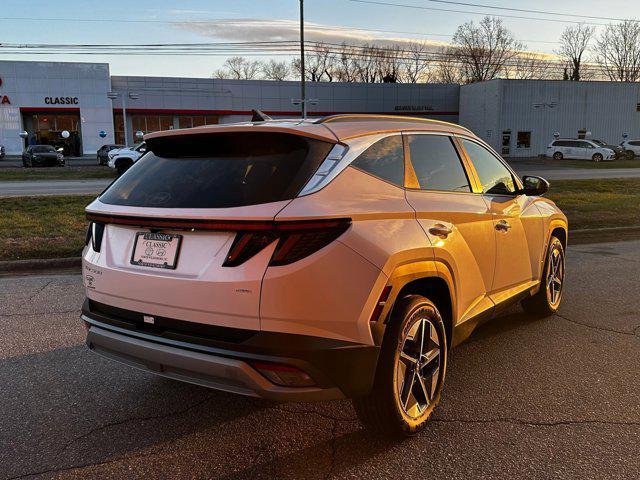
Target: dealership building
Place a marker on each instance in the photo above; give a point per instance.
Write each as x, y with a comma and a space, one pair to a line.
517, 117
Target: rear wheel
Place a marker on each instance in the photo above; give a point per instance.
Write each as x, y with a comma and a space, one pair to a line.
597, 157
410, 373
557, 156
547, 301
629, 154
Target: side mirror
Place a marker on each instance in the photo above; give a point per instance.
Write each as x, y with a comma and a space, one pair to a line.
534, 186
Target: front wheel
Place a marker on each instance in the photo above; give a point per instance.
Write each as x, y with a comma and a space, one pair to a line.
547, 301
410, 373
557, 156
597, 157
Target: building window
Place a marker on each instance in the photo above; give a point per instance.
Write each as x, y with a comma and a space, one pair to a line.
524, 140
190, 121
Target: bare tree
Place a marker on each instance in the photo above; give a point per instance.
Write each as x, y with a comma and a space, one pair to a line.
274, 70
390, 64
239, 68
416, 67
345, 68
366, 63
574, 42
483, 50
444, 68
529, 66
320, 63
618, 51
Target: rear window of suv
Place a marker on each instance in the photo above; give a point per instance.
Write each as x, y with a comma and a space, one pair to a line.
218, 170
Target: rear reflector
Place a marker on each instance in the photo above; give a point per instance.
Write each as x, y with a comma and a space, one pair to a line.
382, 301
284, 375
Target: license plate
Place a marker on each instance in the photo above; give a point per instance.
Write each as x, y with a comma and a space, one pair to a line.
159, 250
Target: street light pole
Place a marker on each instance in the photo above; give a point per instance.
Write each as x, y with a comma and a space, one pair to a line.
133, 96
124, 119
303, 97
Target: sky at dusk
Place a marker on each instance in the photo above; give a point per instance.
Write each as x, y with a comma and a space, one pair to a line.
198, 21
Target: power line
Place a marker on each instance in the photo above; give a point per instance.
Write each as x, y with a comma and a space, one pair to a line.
525, 10
504, 15
257, 49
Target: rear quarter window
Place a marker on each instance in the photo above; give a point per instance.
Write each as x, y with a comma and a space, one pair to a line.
219, 170
384, 159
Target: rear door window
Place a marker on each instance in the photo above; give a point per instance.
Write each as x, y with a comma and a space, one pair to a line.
437, 164
218, 170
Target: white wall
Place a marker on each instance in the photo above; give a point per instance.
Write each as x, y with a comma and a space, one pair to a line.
544, 107
480, 111
27, 84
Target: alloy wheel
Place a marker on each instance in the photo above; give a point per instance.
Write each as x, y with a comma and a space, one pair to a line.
419, 367
555, 277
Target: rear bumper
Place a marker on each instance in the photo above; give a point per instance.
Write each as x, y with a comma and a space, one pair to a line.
339, 369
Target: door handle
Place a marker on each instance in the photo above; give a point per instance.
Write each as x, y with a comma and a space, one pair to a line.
503, 226
439, 230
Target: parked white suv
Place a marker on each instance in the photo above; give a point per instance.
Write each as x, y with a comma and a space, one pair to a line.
121, 159
580, 149
631, 148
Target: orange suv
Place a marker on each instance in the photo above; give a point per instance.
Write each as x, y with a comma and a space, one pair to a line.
314, 260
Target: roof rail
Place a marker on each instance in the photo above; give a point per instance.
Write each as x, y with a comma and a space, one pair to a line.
346, 117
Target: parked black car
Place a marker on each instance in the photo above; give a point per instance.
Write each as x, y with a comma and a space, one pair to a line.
2, 152
102, 154
42, 156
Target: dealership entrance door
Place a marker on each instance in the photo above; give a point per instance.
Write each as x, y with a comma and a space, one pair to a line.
45, 127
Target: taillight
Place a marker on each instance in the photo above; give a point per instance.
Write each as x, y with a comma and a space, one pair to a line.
95, 232
246, 245
296, 240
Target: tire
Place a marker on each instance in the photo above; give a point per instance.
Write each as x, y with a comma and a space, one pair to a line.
544, 303
597, 157
381, 411
558, 156
629, 155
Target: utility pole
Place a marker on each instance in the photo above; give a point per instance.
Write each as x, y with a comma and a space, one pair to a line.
303, 96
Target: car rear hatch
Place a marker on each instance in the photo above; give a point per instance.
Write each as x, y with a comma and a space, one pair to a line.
188, 232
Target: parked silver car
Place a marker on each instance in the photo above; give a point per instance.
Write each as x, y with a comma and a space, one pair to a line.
580, 149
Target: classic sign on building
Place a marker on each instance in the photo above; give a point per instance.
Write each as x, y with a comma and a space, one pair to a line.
61, 100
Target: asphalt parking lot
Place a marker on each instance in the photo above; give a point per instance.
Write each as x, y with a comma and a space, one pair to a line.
554, 398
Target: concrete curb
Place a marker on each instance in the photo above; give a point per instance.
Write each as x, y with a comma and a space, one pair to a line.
591, 235
18, 266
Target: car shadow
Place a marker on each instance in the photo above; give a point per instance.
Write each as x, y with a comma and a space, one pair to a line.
68, 408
